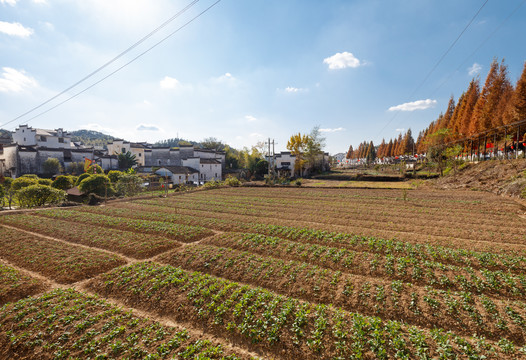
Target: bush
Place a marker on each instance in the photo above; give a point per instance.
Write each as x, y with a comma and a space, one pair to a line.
97, 184
76, 168
115, 175
212, 184
30, 176
46, 182
129, 185
63, 182
51, 166
39, 195
232, 181
81, 177
91, 170
298, 182
24, 181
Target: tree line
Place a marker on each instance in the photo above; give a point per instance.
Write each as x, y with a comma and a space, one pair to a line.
477, 110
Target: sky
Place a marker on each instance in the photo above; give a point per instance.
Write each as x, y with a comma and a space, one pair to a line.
246, 71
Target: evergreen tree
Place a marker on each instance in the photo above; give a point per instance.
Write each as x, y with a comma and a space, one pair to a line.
517, 105
466, 116
487, 102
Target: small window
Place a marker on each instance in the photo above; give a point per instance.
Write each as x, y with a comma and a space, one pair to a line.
24, 138
140, 154
159, 162
61, 140
123, 150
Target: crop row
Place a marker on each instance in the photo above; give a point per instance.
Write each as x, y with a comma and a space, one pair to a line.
461, 257
279, 324
179, 232
407, 268
356, 215
65, 324
422, 306
14, 285
418, 202
135, 244
62, 263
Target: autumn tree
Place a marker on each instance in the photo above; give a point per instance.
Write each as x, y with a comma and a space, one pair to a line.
297, 145
517, 104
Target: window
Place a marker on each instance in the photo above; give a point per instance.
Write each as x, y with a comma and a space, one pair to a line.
140, 154
159, 162
43, 138
61, 140
123, 150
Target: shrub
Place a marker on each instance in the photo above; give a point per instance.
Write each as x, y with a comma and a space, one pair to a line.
129, 185
91, 170
81, 177
51, 166
39, 195
298, 182
46, 182
63, 182
96, 184
115, 175
76, 168
212, 184
23, 181
30, 176
232, 181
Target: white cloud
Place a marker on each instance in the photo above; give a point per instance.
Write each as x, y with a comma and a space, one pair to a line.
291, 89
147, 127
48, 26
332, 130
226, 77
474, 69
15, 29
256, 135
13, 80
9, 2
99, 128
415, 105
342, 60
169, 83
400, 130
250, 118
43, 2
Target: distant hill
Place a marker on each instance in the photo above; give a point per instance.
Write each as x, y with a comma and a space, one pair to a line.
5, 137
91, 137
175, 142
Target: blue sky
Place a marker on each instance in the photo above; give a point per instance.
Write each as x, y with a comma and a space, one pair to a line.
253, 69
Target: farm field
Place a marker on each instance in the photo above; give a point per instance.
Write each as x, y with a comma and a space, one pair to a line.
271, 273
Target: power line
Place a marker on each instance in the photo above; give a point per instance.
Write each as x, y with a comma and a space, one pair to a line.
107, 63
128, 63
479, 47
436, 64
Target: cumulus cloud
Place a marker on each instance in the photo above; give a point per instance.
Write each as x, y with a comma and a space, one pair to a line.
329, 130
9, 2
147, 127
169, 83
13, 80
15, 29
342, 60
250, 118
415, 105
291, 89
400, 130
474, 69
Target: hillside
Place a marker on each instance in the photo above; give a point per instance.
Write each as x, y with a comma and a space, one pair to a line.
506, 177
91, 137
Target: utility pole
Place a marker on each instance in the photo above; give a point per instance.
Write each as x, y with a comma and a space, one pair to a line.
270, 156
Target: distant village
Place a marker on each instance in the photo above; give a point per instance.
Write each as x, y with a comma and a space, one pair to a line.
30, 147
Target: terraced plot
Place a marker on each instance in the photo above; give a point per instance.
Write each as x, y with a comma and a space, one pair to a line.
281, 273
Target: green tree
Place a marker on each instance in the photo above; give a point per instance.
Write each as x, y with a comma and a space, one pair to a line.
23, 182
212, 143
46, 182
75, 168
95, 169
9, 193
129, 185
51, 167
297, 145
39, 195
126, 160
261, 168
97, 184
371, 153
81, 177
115, 175
63, 182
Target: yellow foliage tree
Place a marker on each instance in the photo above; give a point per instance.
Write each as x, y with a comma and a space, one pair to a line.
297, 145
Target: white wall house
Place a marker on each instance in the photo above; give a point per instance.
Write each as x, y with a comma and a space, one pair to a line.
121, 147
209, 169
55, 139
179, 174
284, 162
